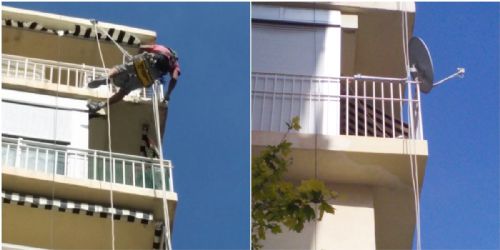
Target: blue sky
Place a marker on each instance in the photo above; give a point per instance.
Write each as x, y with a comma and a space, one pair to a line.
460, 198
207, 134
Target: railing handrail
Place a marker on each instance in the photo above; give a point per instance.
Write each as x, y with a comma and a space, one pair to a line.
353, 103
90, 151
78, 70
54, 63
336, 78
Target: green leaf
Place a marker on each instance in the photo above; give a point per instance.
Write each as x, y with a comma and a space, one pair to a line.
277, 202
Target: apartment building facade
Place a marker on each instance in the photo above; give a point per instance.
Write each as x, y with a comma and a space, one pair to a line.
340, 68
59, 167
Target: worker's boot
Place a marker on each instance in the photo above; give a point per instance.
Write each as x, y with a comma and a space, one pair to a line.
94, 106
96, 83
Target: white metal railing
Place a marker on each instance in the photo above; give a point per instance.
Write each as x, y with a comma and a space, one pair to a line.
85, 164
356, 106
61, 73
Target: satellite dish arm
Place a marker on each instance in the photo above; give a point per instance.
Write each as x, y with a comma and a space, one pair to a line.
460, 73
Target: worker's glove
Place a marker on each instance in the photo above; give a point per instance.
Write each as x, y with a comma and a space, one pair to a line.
166, 99
94, 107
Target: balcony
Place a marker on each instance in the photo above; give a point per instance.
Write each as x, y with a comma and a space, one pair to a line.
65, 78
352, 106
93, 165
356, 129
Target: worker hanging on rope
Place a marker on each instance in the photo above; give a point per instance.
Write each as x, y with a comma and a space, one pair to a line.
152, 63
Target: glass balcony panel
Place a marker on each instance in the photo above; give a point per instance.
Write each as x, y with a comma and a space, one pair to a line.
5, 149
51, 161
41, 160
148, 176
61, 162
107, 169
118, 171
100, 168
167, 180
90, 167
83, 164
139, 175
129, 177
11, 156
157, 177
22, 157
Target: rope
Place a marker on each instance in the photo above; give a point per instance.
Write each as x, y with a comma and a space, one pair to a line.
107, 35
109, 140
55, 139
160, 148
412, 154
157, 125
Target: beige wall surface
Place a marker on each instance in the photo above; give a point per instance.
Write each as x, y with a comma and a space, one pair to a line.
36, 227
351, 227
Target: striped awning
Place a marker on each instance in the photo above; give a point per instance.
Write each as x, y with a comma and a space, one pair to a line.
78, 30
75, 207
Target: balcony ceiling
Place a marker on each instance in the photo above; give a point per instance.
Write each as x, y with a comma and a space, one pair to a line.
68, 49
30, 42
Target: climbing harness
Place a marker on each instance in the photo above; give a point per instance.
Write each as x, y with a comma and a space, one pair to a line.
142, 64
142, 69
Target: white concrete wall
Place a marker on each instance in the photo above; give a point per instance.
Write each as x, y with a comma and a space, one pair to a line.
351, 227
310, 47
35, 116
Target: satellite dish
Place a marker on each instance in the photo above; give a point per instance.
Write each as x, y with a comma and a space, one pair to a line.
421, 64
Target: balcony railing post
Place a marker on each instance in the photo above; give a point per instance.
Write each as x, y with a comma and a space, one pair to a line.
8, 68
26, 68
26, 158
34, 71
383, 109
46, 161
43, 72
170, 178
401, 118
420, 122
356, 107
365, 112
133, 173
68, 76
392, 111
65, 166
153, 175
51, 74
347, 107
410, 111
59, 75
18, 153
143, 175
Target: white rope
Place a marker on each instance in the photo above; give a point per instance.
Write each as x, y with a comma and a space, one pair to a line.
109, 140
55, 139
412, 154
160, 148
106, 33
